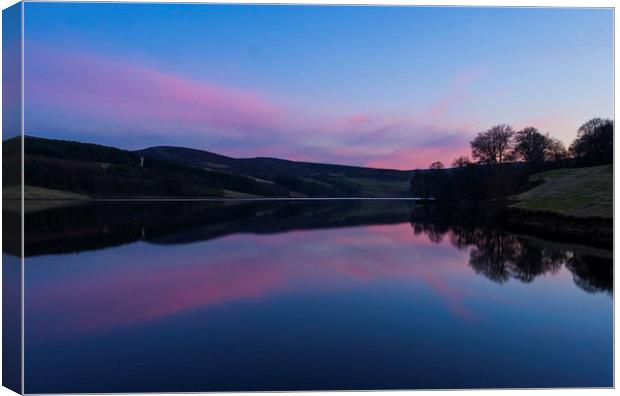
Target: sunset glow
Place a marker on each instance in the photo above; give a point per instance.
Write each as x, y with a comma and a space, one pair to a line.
381, 87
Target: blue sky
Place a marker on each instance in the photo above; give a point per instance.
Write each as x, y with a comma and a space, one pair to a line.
378, 86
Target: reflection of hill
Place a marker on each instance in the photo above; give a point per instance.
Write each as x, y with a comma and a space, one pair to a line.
501, 256
97, 225
493, 252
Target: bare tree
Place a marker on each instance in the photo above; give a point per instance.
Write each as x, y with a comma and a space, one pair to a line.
461, 162
493, 146
436, 165
530, 145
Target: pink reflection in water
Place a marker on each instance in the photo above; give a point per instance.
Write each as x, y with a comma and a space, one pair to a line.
144, 282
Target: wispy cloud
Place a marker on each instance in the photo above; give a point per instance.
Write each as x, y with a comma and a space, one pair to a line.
94, 95
104, 88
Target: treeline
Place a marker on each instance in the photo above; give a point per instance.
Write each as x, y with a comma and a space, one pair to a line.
503, 159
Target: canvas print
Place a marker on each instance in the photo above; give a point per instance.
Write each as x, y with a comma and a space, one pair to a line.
300, 197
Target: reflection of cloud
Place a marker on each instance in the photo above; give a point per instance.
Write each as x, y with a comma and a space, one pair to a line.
232, 269
91, 97
142, 294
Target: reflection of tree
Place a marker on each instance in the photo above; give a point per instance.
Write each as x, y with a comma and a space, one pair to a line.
493, 256
501, 256
434, 228
591, 273
534, 259
462, 237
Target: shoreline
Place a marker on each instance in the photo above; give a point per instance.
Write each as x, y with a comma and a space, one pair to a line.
589, 230
223, 199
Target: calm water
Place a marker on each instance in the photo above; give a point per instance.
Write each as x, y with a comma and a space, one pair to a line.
305, 295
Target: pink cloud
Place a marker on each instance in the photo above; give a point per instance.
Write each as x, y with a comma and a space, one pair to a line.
90, 94
129, 94
420, 157
456, 96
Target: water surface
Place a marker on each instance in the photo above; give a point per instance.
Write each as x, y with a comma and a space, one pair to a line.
208, 296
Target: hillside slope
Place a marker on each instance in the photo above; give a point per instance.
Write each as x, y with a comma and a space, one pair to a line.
310, 179
102, 171
576, 193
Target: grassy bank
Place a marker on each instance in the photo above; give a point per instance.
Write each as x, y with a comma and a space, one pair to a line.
581, 193
570, 204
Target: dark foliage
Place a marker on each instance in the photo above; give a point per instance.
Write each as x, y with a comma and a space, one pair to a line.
469, 183
530, 145
494, 146
594, 143
66, 149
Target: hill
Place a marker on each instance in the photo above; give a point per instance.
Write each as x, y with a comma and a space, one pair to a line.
308, 179
572, 204
578, 193
103, 171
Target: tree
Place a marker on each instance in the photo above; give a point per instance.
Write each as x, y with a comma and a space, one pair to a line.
534, 147
555, 150
594, 143
461, 162
530, 145
436, 165
493, 146
422, 185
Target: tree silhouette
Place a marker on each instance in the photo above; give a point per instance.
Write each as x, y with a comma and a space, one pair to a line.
461, 162
493, 146
555, 150
591, 273
436, 165
594, 143
530, 145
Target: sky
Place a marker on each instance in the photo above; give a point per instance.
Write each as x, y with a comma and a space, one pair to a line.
389, 87
11, 77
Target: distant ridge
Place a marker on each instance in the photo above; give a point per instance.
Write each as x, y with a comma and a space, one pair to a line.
104, 171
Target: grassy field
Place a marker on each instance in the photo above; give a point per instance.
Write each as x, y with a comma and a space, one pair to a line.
579, 193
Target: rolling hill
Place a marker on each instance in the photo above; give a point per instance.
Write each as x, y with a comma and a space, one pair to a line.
105, 172
308, 179
576, 193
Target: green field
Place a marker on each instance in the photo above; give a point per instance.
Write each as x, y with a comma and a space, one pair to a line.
579, 193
